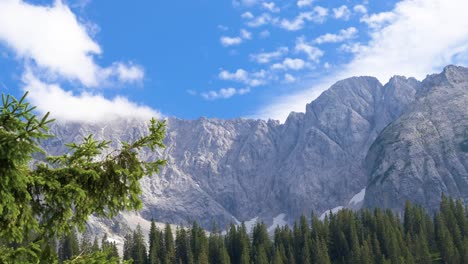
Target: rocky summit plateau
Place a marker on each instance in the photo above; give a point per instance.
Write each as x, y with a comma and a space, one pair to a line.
404, 140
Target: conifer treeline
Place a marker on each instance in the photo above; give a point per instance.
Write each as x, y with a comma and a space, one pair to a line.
377, 236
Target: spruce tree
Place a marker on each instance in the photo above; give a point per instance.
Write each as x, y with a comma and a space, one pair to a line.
154, 241
169, 246
139, 253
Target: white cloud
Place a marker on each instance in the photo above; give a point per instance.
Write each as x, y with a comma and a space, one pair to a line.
344, 34
318, 15
342, 12
304, 3
377, 21
230, 41
261, 20
360, 9
245, 34
289, 64
313, 53
124, 72
288, 78
224, 93
422, 37
244, 2
271, 6
85, 107
247, 15
242, 76
267, 57
55, 41
239, 75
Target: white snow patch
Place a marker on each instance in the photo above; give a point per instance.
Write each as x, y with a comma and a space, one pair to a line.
249, 225
358, 198
279, 220
334, 211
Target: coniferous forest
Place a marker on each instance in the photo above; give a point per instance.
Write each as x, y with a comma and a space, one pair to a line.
377, 236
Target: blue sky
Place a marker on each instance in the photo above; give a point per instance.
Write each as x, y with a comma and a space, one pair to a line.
93, 60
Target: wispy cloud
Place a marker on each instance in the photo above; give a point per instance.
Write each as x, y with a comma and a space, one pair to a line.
304, 3
288, 78
360, 9
230, 41
267, 57
318, 15
224, 93
261, 20
344, 34
242, 76
289, 64
271, 6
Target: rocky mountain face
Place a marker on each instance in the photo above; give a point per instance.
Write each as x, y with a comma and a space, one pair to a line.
424, 152
234, 170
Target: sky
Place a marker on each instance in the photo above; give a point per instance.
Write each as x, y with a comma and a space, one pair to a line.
89, 60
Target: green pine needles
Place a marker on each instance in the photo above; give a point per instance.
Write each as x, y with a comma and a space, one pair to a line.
40, 204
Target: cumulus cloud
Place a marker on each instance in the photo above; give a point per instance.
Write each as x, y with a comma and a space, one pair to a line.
82, 107
232, 41
267, 57
224, 93
417, 37
342, 12
344, 34
289, 64
313, 53
53, 39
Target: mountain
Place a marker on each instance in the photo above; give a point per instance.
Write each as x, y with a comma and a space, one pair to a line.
235, 170
424, 152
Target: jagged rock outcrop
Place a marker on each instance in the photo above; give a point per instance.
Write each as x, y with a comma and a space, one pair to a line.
227, 170
424, 152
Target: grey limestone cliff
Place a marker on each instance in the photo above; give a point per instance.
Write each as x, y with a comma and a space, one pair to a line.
424, 152
234, 170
